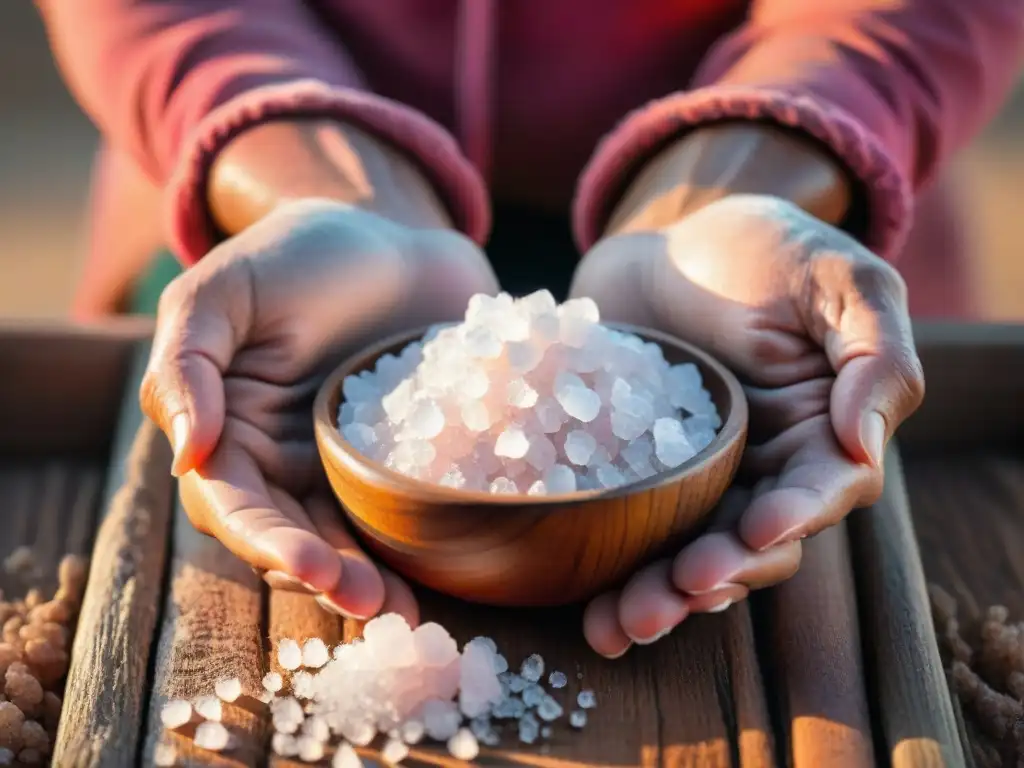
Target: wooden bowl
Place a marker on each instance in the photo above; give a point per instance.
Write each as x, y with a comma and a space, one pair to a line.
528, 550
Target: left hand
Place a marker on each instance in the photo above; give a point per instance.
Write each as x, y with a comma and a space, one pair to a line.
817, 328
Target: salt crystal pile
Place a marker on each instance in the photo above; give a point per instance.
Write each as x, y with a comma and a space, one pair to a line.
408, 684
529, 397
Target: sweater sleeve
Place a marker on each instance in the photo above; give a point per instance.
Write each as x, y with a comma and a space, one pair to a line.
890, 87
170, 83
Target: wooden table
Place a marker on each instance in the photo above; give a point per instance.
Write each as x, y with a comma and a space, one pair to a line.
837, 667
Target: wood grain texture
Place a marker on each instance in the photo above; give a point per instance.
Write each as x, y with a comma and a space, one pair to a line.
210, 630
298, 617
816, 654
904, 669
106, 687
522, 550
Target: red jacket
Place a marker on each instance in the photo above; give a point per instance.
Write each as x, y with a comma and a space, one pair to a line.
554, 103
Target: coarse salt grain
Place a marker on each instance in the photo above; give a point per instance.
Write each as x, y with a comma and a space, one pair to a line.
212, 736
209, 708
346, 757
273, 681
521, 387
228, 690
463, 745
289, 655
164, 755
176, 713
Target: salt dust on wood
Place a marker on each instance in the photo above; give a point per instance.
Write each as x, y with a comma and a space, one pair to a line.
396, 684
526, 396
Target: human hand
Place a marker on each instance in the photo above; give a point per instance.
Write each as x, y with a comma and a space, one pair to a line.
243, 341
817, 328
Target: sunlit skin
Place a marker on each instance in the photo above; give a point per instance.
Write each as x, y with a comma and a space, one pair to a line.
333, 241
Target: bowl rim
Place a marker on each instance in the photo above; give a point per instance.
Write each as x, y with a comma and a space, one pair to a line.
372, 472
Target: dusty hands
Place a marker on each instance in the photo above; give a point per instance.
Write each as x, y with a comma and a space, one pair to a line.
243, 340
817, 328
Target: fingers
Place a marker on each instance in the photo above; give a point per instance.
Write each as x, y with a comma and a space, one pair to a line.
601, 626
200, 321
229, 499
720, 561
817, 485
649, 606
870, 344
362, 591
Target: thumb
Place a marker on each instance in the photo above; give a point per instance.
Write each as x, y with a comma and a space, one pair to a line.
199, 320
879, 380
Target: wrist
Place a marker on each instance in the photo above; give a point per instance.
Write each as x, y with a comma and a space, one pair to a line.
280, 162
716, 161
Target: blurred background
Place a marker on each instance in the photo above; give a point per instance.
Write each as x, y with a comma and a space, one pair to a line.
46, 147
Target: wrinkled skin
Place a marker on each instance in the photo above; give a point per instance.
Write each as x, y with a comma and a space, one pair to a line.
817, 328
244, 339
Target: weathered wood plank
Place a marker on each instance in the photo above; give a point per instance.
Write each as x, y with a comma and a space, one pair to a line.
754, 733
105, 692
902, 657
816, 654
210, 630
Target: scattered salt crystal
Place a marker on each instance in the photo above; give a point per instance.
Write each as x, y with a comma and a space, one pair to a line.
345, 757
537, 489
289, 655
586, 699
411, 731
273, 681
549, 709
314, 653
577, 718
441, 719
176, 713
359, 733
532, 668
209, 708
557, 680
286, 714
533, 695
212, 736
303, 686
512, 443
317, 727
394, 751
463, 745
310, 750
529, 729
546, 731
164, 755
500, 663
284, 744
671, 445
228, 690
518, 683
478, 682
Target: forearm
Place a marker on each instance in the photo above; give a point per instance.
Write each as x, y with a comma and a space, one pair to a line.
280, 161
715, 161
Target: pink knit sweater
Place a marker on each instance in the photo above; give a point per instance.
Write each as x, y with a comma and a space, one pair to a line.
544, 103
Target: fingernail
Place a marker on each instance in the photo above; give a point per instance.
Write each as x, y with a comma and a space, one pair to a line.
618, 655
721, 606
788, 536
330, 607
872, 435
653, 638
179, 438
281, 580
720, 585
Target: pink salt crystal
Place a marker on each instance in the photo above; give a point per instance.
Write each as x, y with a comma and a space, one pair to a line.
346, 757
502, 485
542, 453
475, 416
434, 646
478, 683
512, 443
523, 356
521, 394
228, 690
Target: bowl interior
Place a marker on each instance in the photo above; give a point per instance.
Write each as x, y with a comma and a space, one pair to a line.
723, 386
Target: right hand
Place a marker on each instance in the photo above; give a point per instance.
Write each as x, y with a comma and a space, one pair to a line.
244, 339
